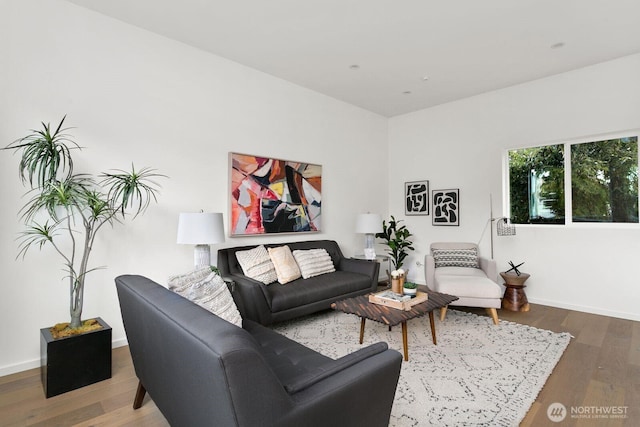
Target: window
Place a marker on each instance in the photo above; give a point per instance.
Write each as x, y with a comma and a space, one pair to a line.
602, 187
604, 181
536, 185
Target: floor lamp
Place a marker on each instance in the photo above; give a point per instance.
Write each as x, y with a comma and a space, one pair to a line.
504, 227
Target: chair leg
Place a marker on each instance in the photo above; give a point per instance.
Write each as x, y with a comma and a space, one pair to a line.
494, 315
443, 313
137, 401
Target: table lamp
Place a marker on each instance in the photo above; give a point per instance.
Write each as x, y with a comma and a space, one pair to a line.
201, 229
369, 224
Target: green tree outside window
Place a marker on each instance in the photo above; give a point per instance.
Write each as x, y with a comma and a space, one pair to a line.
604, 182
536, 185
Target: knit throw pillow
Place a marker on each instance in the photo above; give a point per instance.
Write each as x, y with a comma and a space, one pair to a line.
207, 289
286, 267
256, 264
456, 258
313, 262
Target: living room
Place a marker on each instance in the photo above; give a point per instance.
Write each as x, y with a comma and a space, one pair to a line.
134, 96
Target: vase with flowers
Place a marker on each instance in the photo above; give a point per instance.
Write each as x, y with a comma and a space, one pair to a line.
397, 280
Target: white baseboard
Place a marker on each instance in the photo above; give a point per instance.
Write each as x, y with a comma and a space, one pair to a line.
119, 343
19, 367
35, 363
586, 309
574, 307
583, 308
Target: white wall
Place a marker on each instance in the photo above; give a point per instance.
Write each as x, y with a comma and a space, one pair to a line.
461, 145
135, 96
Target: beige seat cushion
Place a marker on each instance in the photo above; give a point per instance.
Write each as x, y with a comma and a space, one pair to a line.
459, 271
474, 284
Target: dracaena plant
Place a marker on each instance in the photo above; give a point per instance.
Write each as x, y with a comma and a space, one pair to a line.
67, 210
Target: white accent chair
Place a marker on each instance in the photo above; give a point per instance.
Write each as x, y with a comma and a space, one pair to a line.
449, 269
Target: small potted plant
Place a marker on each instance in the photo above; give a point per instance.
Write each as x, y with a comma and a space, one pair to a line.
410, 288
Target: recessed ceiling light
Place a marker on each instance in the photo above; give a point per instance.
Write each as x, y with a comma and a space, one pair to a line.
354, 67
557, 45
425, 78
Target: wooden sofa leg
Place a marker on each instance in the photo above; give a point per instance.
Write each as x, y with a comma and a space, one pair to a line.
137, 401
443, 313
494, 315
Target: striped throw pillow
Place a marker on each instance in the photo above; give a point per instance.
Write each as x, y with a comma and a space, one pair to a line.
456, 258
313, 262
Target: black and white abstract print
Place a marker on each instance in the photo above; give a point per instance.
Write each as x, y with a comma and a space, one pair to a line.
446, 207
416, 196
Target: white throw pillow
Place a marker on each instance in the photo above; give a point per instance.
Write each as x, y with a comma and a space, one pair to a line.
256, 264
286, 267
207, 289
313, 262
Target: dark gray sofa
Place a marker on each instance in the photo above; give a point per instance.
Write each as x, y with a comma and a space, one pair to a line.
267, 304
201, 370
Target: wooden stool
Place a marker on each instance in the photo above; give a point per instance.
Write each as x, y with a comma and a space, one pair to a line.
514, 298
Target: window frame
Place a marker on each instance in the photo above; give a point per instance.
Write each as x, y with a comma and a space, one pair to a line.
568, 196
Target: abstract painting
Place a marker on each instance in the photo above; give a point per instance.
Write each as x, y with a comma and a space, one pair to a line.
416, 198
446, 207
274, 196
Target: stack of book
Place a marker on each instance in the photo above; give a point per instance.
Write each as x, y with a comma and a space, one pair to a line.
400, 302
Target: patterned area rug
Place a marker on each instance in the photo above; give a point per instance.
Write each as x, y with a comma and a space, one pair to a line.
479, 374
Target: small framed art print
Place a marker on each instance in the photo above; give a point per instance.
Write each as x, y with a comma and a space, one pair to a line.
446, 207
416, 198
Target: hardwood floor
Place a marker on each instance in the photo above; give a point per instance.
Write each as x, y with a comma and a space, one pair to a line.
599, 369
107, 403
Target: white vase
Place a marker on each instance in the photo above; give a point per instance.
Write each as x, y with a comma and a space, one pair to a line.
408, 291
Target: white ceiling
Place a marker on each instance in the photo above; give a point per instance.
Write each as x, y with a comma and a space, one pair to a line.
464, 47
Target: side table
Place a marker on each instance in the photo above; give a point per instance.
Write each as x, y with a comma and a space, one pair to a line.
383, 278
514, 298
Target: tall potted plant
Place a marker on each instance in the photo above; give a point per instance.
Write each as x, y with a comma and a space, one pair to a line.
396, 237
76, 206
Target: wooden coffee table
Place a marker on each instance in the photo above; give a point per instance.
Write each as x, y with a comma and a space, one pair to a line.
361, 307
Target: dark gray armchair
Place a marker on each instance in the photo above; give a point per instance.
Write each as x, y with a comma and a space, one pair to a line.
203, 371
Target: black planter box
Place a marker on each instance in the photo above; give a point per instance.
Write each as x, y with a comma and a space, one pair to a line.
73, 362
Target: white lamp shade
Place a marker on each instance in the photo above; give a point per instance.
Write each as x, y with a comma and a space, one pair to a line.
203, 228
368, 223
